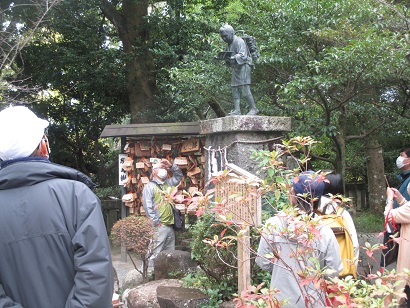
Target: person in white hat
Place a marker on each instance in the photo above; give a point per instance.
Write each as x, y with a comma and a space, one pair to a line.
54, 248
161, 214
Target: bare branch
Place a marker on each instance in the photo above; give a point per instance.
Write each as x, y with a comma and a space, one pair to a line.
367, 133
14, 36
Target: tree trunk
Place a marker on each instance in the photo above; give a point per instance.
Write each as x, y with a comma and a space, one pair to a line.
133, 32
375, 175
339, 143
220, 113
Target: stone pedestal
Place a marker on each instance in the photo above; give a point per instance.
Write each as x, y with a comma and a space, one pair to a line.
239, 135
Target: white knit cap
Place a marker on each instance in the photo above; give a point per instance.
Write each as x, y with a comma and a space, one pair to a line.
20, 132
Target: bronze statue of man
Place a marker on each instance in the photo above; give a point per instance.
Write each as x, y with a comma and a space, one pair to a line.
240, 61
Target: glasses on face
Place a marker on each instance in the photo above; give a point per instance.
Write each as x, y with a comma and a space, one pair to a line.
45, 139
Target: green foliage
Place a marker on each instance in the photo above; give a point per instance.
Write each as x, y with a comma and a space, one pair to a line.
368, 222
200, 280
107, 192
70, 63
183, 43
20, 21
214, 264
276, 177
218, 275
336, 73
184, 46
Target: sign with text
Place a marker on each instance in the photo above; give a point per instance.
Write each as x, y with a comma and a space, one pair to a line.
122, 174
241, 201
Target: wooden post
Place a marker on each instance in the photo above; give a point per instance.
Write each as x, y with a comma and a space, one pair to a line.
245, 213
244, 260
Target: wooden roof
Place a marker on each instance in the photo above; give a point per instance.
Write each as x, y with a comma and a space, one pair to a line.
152, 129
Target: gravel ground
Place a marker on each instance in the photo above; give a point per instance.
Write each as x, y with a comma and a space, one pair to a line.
121, 267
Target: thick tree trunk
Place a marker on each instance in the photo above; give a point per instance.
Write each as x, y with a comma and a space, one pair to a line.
140, 63
134, 34
375, 175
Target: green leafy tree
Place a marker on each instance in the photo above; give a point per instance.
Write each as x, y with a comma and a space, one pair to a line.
185, 38
76, 66
19, 21
338, 74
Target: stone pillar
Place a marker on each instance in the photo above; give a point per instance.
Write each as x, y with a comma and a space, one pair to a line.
239, 135
235, 138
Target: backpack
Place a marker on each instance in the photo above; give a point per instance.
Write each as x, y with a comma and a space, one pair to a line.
338, 225
251, 44
178, 218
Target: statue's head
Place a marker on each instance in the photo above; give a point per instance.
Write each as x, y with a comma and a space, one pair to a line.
227, 33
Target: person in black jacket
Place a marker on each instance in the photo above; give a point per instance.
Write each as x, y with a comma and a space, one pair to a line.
54, 248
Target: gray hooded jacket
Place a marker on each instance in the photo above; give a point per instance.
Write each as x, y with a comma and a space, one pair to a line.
54, 249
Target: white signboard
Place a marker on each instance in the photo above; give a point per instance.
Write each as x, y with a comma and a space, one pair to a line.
122, 174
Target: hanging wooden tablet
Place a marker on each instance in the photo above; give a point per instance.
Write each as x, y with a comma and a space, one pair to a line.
190, 145
141, 149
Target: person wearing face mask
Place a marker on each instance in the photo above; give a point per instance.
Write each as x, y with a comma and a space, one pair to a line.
403, 193
161, 215
403, 163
